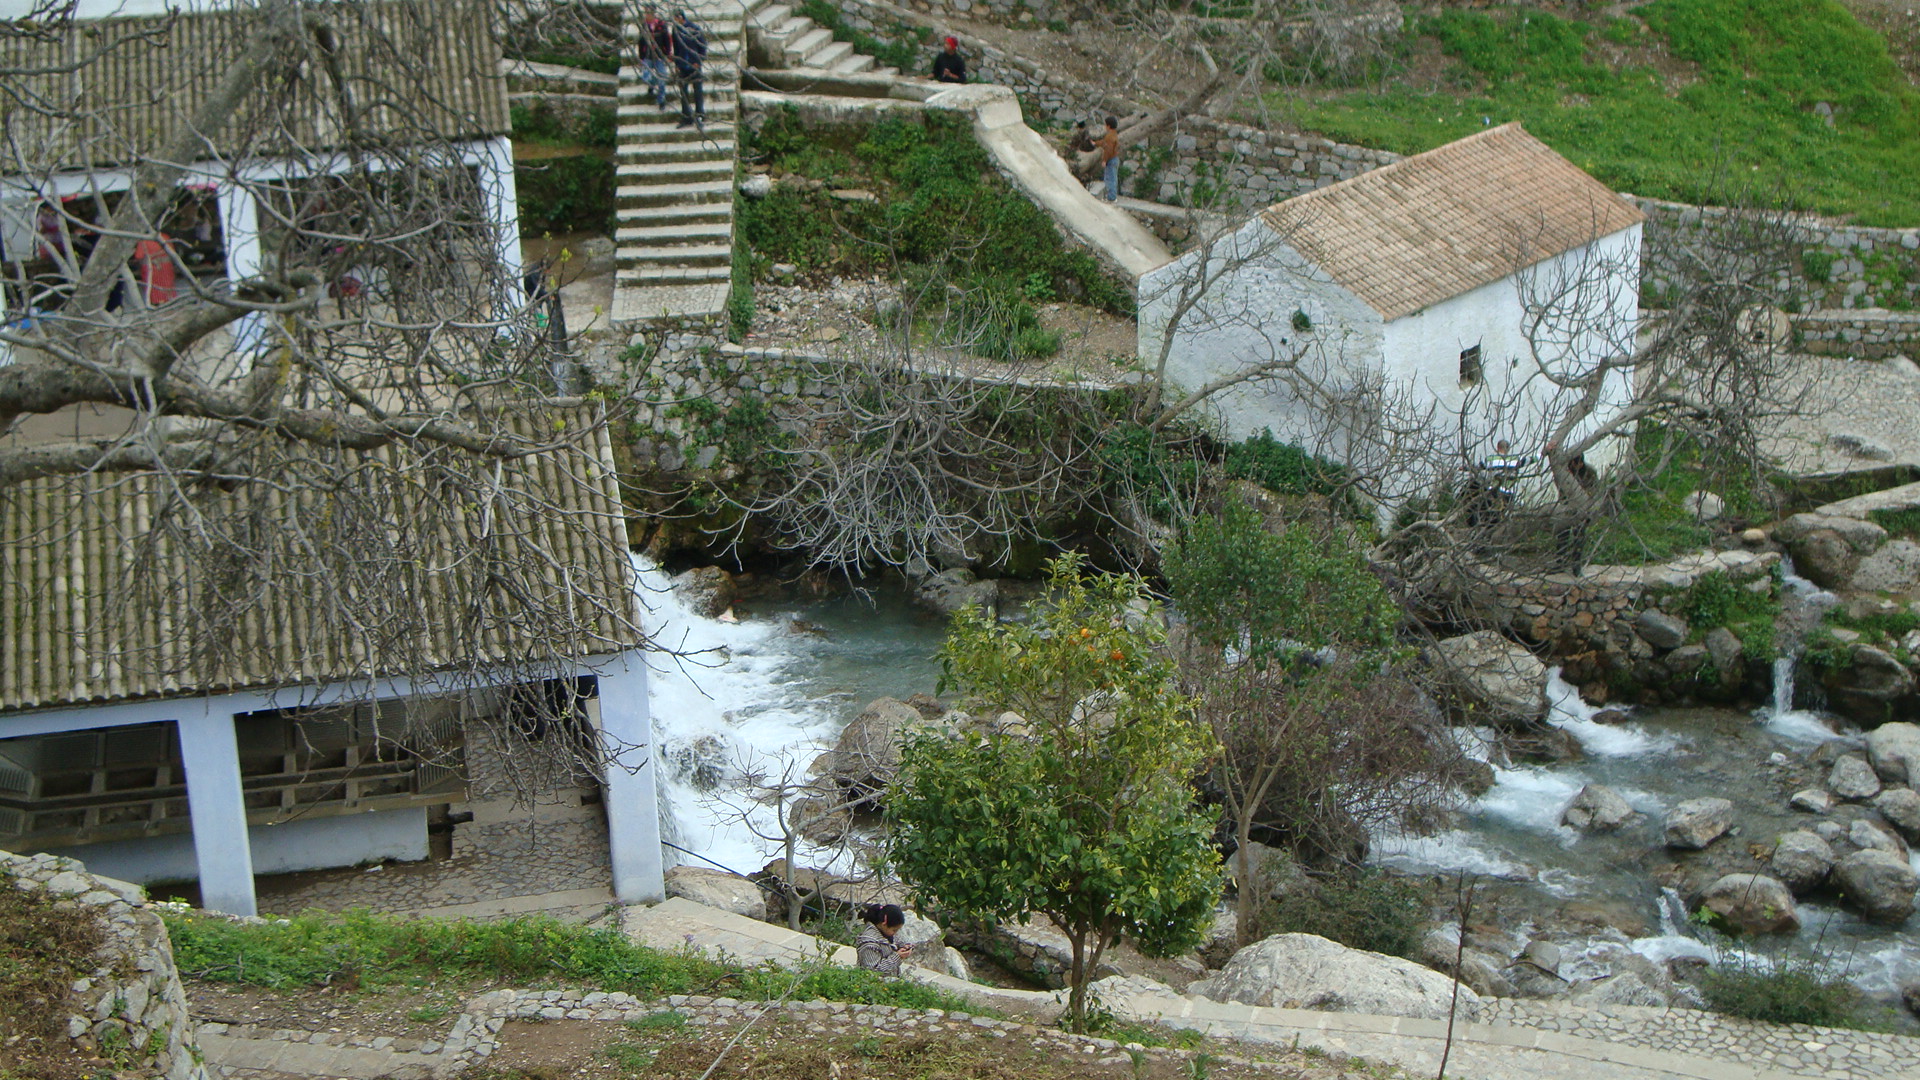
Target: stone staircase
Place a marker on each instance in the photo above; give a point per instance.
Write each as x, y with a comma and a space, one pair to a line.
674, 197
791, 40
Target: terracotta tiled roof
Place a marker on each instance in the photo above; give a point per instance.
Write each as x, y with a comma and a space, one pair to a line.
438, 58
94, 603
1408, 235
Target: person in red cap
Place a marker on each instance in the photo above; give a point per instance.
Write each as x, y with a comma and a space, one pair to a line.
950, 66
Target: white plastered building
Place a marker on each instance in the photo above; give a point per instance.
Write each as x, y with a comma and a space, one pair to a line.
1424, 279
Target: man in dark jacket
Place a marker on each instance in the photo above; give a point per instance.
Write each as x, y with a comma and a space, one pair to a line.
950, 66
689, 64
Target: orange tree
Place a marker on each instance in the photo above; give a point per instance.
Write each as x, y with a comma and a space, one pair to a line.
1085, 814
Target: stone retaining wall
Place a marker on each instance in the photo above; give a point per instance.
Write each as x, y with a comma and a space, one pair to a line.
131, 1010
1871, 333
1840, 266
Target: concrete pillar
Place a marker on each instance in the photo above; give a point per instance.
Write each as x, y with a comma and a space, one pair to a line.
240, 228
633, 809
503, 210
219, 812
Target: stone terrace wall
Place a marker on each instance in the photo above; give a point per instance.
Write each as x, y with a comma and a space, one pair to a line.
1873, 333
132, 1005
1841, 266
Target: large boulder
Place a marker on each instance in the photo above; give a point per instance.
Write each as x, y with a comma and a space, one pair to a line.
1493, 680
1894, 568
1867, 687
1824, 558
717, 889
1598, 808
950, 590
1853, 779
867, 755
1801, 859
1894, 750
1275, 872
1901, 807
1698, 822
1728, 652
706, 590
1880, 885
1301, 971
1872, 835
1861, 536
1752, 903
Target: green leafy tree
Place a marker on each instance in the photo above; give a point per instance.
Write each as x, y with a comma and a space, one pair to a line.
1085, 816
1292, 660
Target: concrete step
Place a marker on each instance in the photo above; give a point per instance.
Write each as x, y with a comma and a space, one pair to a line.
663, 172
805, 44
704, 191
717, 29
886, 71
770, 15
670, 131
717, 78
637, 112
717, 212
657, 152
671, 275
853, 65
687, 255
830, 55
782, 33
690, 233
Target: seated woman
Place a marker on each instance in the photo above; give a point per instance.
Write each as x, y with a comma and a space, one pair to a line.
877, 949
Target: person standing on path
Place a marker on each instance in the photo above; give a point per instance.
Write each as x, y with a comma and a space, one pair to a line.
689, 63
656, 49
950, 66
1109, 143
875, 944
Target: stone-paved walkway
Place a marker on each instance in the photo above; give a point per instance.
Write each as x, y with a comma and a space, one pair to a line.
1872, 400
506, 861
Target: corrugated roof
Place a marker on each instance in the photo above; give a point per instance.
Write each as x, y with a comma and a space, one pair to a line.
416, 68
97, 605
1408, 235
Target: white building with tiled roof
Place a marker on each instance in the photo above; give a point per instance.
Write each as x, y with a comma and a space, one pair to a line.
1424, 278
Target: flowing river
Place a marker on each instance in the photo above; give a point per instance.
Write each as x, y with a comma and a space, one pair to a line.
771, 691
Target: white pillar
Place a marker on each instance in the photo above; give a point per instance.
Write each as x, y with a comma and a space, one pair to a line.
633, 808
219, 812
503, 210
240, 228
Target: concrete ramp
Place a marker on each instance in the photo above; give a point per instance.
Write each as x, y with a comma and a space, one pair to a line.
1037, 170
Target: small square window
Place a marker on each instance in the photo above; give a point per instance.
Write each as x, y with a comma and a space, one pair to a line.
1470, 370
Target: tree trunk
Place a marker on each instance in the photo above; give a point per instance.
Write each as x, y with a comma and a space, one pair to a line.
1077, 982
1087, 165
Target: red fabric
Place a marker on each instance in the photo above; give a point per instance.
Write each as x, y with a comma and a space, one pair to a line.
154, 264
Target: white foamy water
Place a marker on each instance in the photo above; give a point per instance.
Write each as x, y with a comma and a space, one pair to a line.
1452, 851
1567, 712
762, 697
1781, 718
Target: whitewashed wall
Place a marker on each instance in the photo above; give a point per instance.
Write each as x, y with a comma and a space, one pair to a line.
1516, 400
1244, 317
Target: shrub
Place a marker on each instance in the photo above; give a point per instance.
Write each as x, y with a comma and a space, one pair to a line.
1785, 991
1818, 265
1898, 522
1366, 909
1717, 600
565, 194
361, 949
1283, 467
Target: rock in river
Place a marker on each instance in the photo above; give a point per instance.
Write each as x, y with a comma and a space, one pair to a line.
1752, 903
1879, 884
1598, 808
1801, 859
1698, 822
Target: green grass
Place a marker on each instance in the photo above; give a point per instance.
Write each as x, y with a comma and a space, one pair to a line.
1716, 600
975, 254
359, 949
1653, 523
1898, 522
1789, 990
1745, 121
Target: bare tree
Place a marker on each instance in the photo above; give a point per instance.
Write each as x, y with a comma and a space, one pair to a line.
266, 332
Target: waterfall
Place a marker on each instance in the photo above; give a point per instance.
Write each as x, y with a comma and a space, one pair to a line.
1801, 603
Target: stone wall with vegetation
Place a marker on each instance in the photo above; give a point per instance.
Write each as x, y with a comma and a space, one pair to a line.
125, 1007
1870, 333
1840, 266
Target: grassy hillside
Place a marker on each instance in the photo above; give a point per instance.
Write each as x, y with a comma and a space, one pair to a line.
1681, 99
